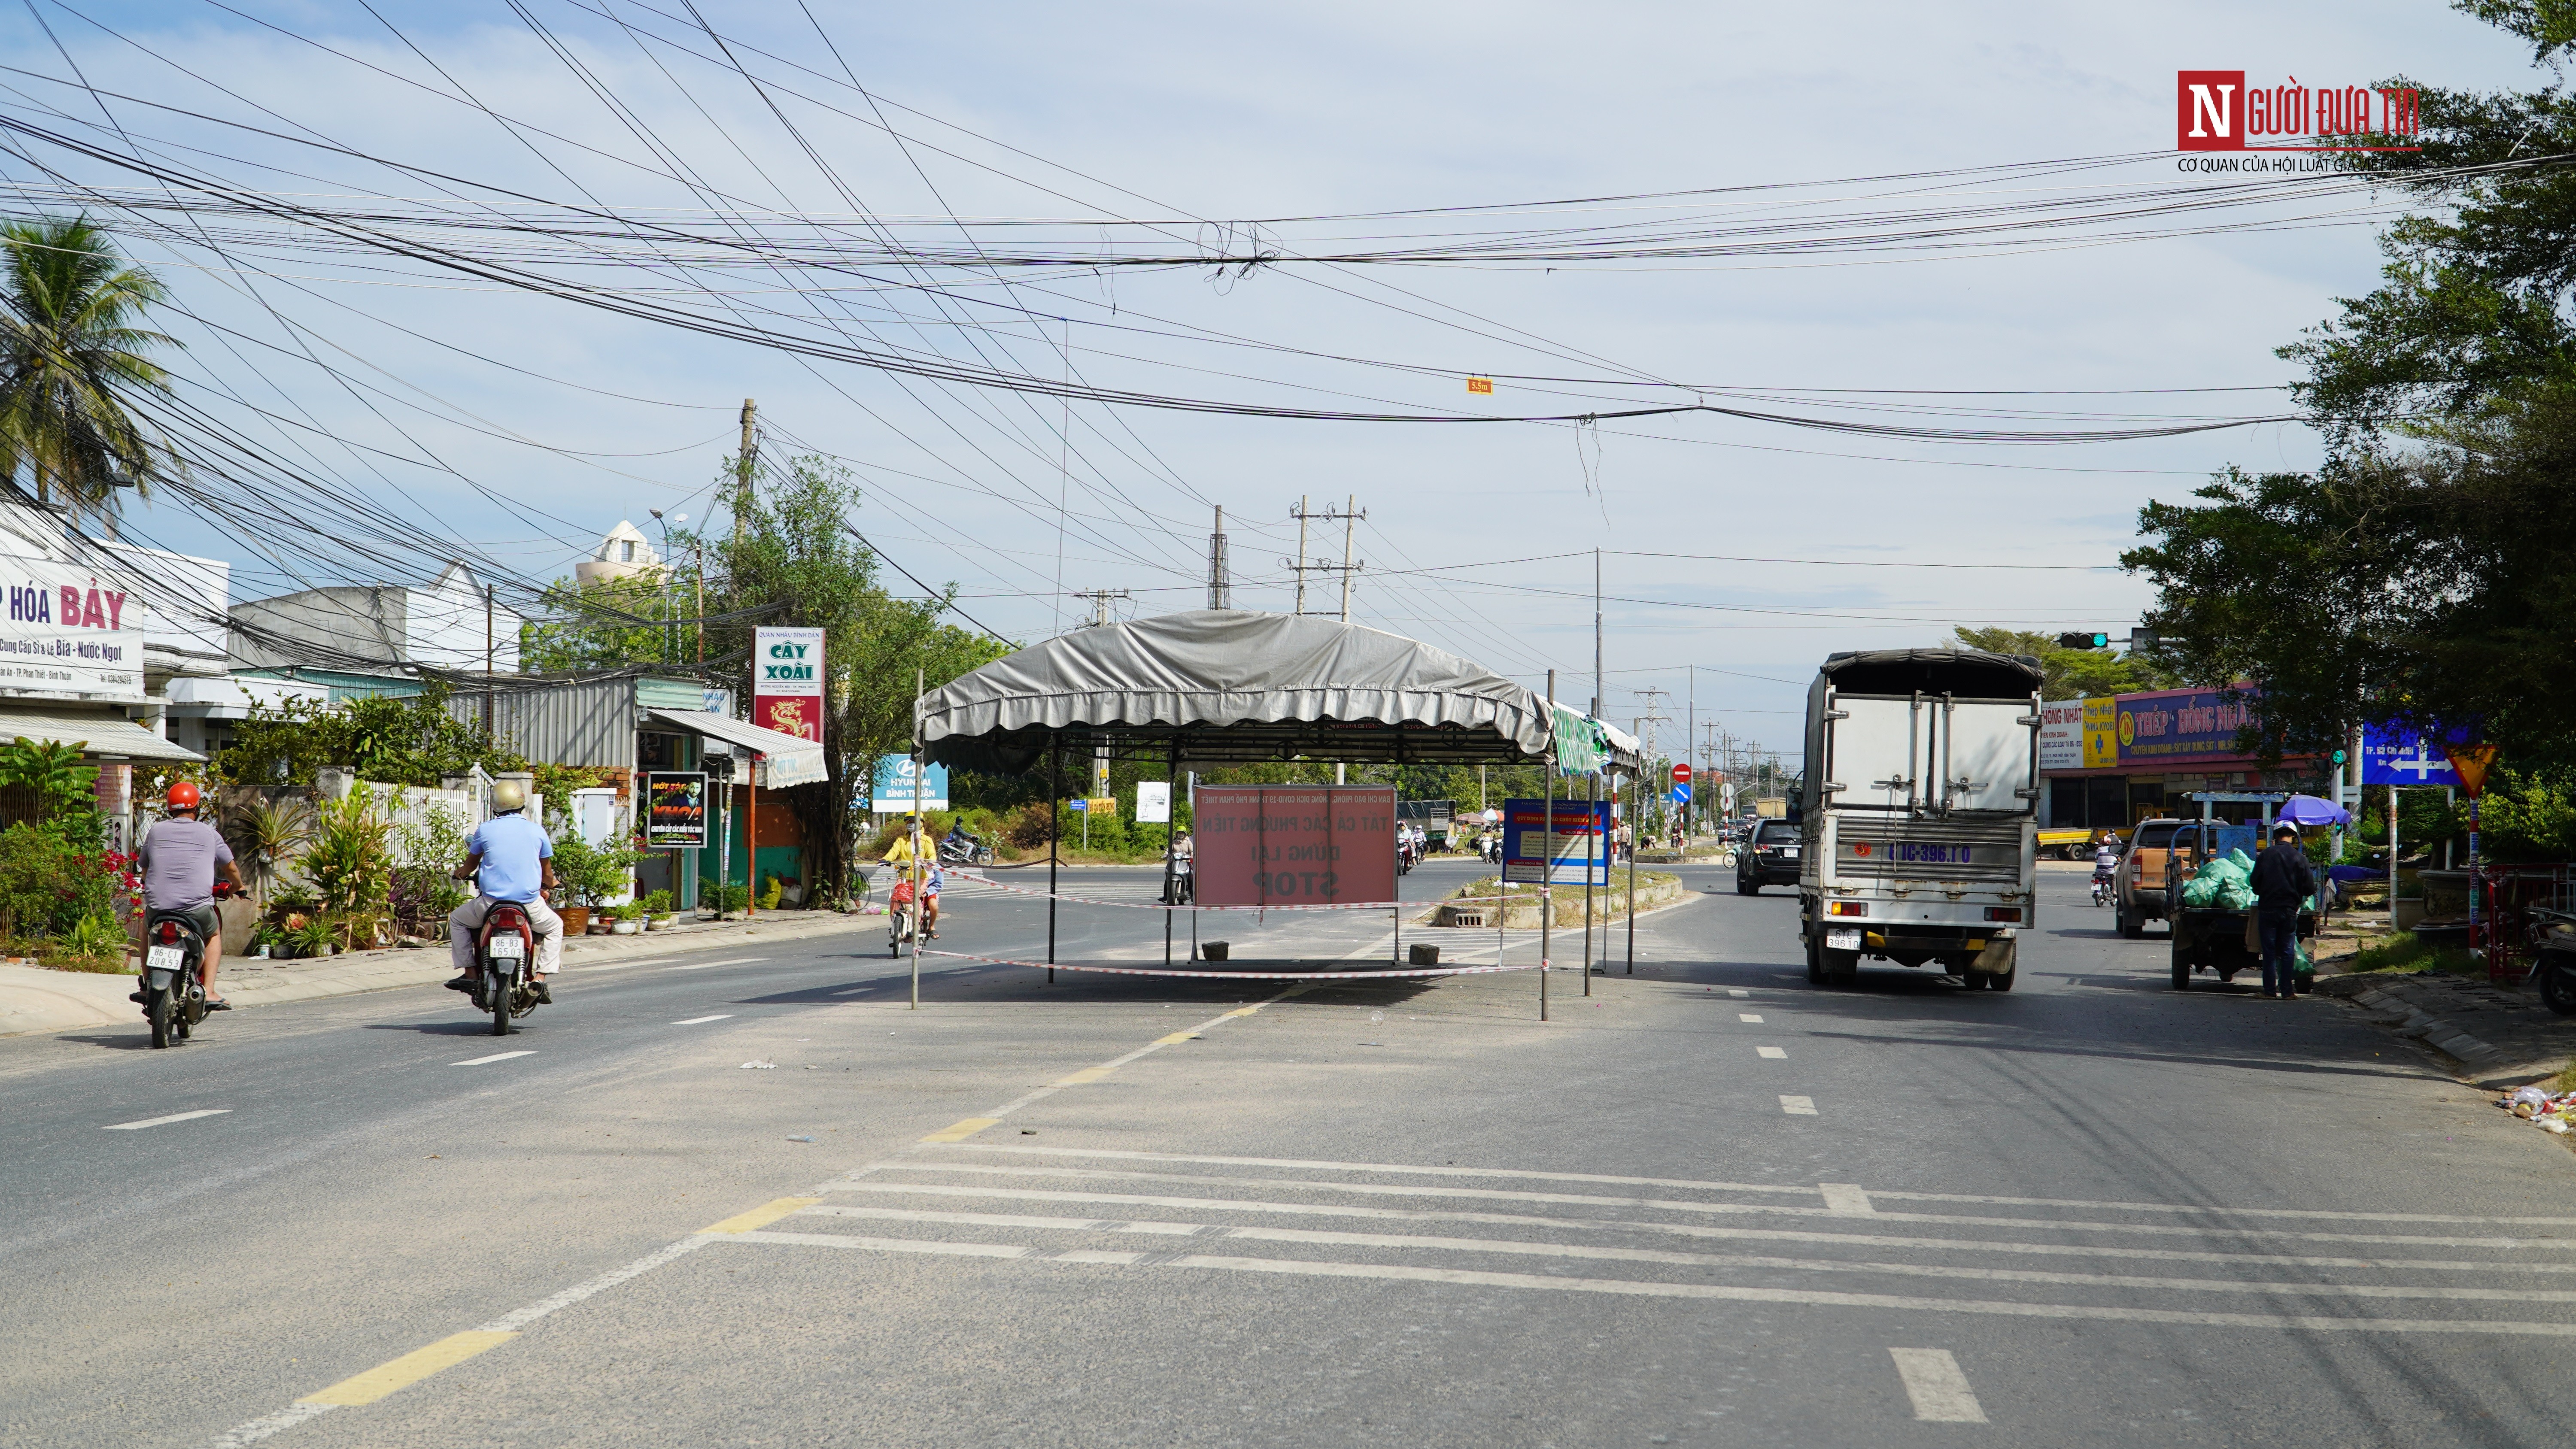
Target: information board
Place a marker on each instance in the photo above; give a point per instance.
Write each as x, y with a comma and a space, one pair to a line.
2393, 756
1581, 830
1278, 845
787, 681
675, 810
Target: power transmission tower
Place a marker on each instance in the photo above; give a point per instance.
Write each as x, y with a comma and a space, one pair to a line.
1220, 588
1100, 603
1347, 567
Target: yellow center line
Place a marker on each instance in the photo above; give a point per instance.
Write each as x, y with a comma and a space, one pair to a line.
761, 1216
409, 1369
1087, 1074
960, 1131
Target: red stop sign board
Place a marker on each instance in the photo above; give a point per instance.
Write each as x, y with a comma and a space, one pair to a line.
1681, 774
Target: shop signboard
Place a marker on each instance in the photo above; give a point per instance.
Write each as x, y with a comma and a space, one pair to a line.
2101, 733
787, 681
2175, 725
68, 631
2061, 734
675, 810
1572, 832
1295, 845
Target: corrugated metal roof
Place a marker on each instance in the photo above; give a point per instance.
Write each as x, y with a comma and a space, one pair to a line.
109, 736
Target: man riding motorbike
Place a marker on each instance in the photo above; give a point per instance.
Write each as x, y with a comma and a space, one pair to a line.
510, 858
181, 856
902, 854
2106, 860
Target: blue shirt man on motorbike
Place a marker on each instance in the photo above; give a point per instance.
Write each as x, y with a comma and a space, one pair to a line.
510, 858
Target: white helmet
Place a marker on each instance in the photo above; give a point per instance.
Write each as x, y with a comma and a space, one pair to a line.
509, 795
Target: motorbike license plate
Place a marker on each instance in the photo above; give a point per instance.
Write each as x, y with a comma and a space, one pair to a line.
511, 947
1843, 940
165, 958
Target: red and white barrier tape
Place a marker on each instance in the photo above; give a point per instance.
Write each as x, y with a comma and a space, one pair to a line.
1416, 971
960, 878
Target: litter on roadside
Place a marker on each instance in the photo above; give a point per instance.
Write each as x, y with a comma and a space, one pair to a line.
2536, 1105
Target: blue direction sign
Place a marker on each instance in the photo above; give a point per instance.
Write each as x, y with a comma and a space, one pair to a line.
2392, 756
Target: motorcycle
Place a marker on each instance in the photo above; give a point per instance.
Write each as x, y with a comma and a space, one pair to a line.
902, 916
174, 1000
503, 951
1404, 856
1183, 886
965, 851
2553, 969
2101, 887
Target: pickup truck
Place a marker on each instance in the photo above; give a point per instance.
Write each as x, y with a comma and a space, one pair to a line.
2140, 893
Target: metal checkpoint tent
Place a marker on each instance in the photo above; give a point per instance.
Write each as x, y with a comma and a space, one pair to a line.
1233, 686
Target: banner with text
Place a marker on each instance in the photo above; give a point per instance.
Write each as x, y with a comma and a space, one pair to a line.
70, 632
787, 681
675, 810
1277, 845
1560, 841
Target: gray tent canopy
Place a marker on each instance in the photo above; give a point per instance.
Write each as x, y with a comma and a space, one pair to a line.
1234, 686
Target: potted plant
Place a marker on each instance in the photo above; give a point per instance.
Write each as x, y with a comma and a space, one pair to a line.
590, 875
626, 919
658, 914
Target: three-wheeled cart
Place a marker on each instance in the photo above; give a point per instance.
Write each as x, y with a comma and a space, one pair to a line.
2214, 938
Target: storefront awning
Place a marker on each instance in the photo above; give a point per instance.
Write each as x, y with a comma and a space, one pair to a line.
785, 759
100, 735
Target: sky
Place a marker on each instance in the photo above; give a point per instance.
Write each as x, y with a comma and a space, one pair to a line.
477, 414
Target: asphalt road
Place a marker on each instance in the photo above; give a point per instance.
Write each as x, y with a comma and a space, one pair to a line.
1705, 1204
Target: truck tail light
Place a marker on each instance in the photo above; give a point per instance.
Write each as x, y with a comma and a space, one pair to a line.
2003, 913
1847, 908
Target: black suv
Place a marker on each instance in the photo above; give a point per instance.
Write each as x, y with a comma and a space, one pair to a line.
1769, 856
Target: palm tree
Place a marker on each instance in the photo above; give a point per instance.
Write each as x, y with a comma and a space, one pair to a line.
72, 351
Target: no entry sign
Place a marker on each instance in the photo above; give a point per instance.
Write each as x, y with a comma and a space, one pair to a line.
1302, 845
1681, 774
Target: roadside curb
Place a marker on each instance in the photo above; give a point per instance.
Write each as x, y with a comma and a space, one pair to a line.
2399, 1003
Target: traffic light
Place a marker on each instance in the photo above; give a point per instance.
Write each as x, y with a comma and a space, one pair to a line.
2083, 641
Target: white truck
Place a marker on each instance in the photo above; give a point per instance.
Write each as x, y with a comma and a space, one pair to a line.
1919, 816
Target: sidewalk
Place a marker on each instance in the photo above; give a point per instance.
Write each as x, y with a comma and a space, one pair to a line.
34, 1000
2500, 1036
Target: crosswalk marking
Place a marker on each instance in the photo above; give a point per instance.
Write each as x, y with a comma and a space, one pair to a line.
1939, 1390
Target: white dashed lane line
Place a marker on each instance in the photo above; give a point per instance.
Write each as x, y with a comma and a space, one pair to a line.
1754, 1017
1774, 1054
495, 1057
164, 1121
700, 1020
1939, 1390
1798, 1106
730, 961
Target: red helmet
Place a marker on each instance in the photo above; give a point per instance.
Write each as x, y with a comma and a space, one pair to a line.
184, 795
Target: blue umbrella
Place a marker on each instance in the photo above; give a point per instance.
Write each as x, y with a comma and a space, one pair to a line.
2307, 810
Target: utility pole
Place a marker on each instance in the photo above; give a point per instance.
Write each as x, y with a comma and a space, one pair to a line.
1348, 566
1100, 603
1220, 589
487, 671
749, 456
1599, 697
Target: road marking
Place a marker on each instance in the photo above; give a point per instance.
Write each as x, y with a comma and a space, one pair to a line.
1939, 1390
1084, 1077
495, 1057
1846, 1200
1798, 1106
1530, 1248
1698, 1230
173, 1117
2315, 1323
1772, 1054
1315, 1164
960, 1131
1754, 1017
728, 961
762, 1216
261, 1428
1740, 995
702, 1020
407, 1370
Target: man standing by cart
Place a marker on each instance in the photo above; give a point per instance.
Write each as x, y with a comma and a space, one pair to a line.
2283, 880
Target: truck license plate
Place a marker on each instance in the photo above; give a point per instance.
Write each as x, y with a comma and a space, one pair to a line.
164, 958
511, 947
1843, 940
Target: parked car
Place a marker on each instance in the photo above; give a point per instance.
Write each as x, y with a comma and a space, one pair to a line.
1769, 856
2141, 893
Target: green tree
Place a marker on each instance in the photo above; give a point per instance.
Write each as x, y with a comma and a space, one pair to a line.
790, 559
2075, 673
612, 623
2423, 573
390, 739
73, 361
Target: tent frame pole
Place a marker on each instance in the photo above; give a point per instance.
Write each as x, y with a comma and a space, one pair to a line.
1055, 828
